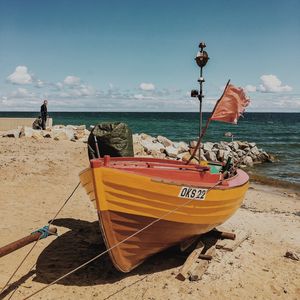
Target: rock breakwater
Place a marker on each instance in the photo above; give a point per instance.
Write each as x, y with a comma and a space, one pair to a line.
57, 132
243, 153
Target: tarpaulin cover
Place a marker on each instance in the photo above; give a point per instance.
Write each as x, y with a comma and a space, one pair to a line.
114, 139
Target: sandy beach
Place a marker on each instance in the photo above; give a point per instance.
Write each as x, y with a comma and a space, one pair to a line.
38, 175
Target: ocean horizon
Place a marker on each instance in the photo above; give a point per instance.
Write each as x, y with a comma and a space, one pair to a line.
275, 132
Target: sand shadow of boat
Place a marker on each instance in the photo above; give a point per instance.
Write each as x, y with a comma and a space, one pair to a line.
84, 242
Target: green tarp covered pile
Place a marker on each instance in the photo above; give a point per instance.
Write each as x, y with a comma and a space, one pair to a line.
114, 139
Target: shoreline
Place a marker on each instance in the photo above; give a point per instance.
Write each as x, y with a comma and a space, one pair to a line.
272, 182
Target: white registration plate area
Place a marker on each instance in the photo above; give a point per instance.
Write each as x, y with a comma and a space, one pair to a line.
192, 193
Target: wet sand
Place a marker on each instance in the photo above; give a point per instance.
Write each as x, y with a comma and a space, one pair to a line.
37, 176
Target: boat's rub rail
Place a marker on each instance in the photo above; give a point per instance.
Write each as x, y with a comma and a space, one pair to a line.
223, 185
179, 183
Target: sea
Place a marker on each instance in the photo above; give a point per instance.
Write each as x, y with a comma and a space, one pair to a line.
276, 133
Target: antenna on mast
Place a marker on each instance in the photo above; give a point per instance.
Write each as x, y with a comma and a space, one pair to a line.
201, 60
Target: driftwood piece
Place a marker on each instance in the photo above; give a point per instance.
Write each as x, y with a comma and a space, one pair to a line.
231, 245
186, 268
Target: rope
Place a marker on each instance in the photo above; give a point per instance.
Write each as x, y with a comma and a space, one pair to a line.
41, 236
44, 232
116, 245
13, 274
78, 184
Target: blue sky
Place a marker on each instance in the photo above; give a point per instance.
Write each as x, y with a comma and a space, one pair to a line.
139, 55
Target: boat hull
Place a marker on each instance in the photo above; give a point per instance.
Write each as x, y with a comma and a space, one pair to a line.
127, 202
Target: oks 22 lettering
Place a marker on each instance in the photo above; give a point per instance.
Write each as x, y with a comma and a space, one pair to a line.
192, 193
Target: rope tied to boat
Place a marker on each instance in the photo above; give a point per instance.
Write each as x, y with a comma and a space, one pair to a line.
118, 244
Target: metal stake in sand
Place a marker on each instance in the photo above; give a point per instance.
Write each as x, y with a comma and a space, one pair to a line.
201, 60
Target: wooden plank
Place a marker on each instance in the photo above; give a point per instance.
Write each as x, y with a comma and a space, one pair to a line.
192, 258
201, 265
198, 261
199, 270
231, 245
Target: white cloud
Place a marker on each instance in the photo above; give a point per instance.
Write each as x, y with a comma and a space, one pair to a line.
142, 97
278, 102
39, 83
59, 85
147, 86
139, 96
78, 95
83, 91
4, 101
76, 92
21, 93
72, 80
20, 76
271, 84
64, 95
71, 87
250, 88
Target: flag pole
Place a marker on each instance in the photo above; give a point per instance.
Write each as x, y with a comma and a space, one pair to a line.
201, 60
200, 97
202, 133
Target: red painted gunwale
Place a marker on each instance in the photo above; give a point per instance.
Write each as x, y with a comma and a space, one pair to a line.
170, 171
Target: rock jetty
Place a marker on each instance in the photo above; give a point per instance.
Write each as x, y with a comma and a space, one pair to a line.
57, 132
243, 153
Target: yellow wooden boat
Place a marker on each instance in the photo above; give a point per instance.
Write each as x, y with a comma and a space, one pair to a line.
130, 193
146, 205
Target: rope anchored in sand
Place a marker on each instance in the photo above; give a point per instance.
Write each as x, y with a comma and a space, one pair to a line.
40, 234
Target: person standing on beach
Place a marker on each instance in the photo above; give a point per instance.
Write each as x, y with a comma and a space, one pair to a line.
44, 114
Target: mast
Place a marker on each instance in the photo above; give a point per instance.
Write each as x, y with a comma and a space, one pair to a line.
201, 60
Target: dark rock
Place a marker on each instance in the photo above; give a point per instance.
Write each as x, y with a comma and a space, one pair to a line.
292, 255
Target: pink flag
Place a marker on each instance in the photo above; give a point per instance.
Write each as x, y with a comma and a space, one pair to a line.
231, 105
